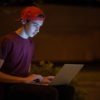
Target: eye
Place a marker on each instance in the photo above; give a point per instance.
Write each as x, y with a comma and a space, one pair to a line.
35, 25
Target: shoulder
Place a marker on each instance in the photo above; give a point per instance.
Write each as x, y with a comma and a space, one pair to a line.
6, 39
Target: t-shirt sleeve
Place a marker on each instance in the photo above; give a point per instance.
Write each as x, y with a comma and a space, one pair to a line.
4, 48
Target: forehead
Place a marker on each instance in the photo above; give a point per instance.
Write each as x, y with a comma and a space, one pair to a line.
37, 22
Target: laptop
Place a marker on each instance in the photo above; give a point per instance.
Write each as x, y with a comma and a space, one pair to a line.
66, 74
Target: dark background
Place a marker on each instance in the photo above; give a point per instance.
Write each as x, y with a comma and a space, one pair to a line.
61, 2
70, 34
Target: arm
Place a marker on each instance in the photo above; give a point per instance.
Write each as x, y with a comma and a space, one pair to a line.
10, 79
14, 79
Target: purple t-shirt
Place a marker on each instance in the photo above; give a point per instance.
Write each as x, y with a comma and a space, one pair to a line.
17, 53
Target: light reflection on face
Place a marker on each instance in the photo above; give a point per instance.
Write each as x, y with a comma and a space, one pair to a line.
33, 27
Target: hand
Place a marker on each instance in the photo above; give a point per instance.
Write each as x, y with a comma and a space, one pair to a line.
47, 80
51, 78
33, 77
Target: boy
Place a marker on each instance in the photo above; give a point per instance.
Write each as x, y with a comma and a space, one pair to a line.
16, 53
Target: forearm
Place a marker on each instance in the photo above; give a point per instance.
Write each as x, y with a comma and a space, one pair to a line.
6, 78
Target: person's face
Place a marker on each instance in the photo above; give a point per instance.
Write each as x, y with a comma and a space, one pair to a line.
33, 27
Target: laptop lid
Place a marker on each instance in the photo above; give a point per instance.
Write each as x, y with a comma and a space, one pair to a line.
66, 74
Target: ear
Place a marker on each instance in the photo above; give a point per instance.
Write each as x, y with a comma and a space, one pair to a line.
23, 22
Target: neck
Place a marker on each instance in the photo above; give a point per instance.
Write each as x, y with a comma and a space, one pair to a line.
21, 32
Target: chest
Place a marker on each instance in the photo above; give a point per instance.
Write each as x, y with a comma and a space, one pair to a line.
21, 48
